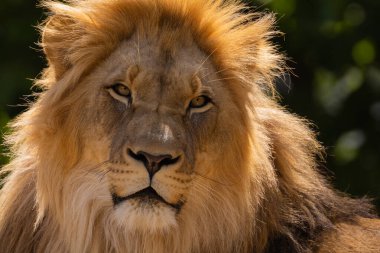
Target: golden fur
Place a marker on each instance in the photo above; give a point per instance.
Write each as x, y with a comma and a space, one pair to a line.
246, 179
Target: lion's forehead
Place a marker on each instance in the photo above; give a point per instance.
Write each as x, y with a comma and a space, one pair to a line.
166, 90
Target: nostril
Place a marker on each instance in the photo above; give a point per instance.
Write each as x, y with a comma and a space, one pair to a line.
138, 156
169, 161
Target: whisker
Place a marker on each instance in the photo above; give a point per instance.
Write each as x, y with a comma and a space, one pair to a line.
204, 188
213, 180
138, 48
94, 169
217, 72
203, 62
104, 174
221, 79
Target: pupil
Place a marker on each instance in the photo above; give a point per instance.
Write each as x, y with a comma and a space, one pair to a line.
199, 101
122, 89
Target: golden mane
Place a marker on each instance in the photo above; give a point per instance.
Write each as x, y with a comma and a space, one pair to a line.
77, 31
278, 202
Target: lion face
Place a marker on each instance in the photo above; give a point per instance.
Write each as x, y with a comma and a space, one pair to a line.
156, 117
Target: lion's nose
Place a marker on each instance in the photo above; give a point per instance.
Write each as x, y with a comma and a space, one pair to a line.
152, 163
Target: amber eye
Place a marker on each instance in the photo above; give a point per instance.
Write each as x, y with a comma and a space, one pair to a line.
199, 102
121, 90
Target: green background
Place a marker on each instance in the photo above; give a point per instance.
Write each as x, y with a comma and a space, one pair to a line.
333, 46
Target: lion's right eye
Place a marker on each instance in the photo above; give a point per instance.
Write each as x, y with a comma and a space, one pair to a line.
199, 102
121, 90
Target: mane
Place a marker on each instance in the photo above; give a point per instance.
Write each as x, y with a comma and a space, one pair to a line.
236, 39
290, 202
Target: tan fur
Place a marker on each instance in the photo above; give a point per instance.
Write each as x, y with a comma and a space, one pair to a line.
358, 239
247, 177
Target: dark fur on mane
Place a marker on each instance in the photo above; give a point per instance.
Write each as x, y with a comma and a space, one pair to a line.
304, 236
304, 239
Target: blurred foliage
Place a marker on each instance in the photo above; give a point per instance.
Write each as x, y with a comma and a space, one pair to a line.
334, 52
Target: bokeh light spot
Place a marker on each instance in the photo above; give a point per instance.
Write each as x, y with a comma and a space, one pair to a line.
354, 14
331, 92
348, 146
364, 52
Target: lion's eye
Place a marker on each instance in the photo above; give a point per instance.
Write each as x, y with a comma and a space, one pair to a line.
121, 90
199, 102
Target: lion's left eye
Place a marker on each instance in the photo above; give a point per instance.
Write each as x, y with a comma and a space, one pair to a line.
199, 102
121, 90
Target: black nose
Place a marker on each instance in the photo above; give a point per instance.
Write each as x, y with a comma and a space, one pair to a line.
152, 163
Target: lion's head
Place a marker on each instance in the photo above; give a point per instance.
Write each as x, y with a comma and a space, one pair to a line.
153, 130
157, 132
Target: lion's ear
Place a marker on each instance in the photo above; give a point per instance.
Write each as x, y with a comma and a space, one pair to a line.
59, 34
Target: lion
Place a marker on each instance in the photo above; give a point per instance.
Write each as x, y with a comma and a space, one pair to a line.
158, 129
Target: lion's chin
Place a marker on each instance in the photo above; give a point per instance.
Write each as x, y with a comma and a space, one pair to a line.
145, 216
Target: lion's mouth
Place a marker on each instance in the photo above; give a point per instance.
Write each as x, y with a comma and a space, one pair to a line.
147, 195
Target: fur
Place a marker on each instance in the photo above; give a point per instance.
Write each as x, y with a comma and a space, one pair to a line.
249, 180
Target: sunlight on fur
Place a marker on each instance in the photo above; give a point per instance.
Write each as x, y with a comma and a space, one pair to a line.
159, 130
